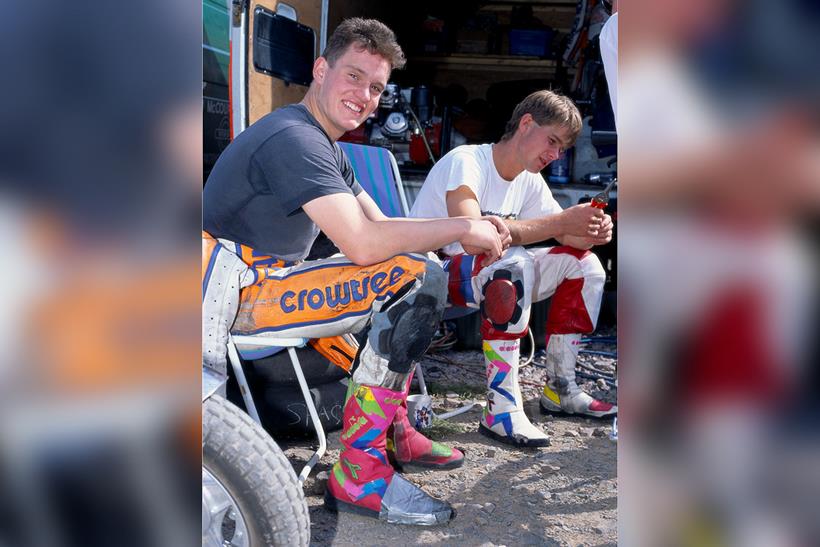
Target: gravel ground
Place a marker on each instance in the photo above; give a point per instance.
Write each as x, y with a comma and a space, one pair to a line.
563, 494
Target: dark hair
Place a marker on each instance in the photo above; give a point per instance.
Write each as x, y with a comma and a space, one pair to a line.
368, 34
546, 108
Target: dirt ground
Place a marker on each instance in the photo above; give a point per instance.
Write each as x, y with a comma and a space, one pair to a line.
563, 494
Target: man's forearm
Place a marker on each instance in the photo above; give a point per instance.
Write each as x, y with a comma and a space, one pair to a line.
534, 230
388, 238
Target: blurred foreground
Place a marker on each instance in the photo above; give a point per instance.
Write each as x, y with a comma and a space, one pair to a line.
100, 164
719, 104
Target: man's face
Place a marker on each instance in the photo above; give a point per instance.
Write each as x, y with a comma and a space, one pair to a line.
349, 90
540, 145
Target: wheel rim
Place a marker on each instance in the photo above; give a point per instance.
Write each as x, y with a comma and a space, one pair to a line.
223, 524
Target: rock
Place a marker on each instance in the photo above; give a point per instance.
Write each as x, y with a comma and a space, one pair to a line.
602, 385
452, 395
318, 484
477, 506
490, 452
489, 507
481, 521
550, 468
598, 530
570, 433
600, 432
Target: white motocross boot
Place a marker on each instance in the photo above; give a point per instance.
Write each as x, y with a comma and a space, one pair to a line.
503, 418
561, 393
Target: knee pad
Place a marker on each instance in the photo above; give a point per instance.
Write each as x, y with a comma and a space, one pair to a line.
402, 331
412, 326
503, 298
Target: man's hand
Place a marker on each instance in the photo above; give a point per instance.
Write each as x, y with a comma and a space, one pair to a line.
587, 242
582, 220
483, 238
604, 235
503, 230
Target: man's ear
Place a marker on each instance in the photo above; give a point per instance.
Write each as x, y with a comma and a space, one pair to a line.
525, 121
320, 67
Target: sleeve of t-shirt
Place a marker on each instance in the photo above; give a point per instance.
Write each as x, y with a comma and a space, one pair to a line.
347, 172
463, 169
538, 201
298, 165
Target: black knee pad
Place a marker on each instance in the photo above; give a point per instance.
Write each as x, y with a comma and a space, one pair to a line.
412, 326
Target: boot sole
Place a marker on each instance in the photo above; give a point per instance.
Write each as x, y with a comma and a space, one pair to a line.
562, 412
337, 505
418, 466
536, 443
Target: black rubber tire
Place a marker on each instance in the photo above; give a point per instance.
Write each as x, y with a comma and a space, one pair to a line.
256, 473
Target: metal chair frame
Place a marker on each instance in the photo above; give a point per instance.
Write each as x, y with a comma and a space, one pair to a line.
290, 344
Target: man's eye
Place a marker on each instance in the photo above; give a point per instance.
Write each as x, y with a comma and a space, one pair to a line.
354, 76
376, 89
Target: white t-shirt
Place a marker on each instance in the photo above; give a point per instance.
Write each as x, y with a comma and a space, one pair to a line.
526, 196
609, 55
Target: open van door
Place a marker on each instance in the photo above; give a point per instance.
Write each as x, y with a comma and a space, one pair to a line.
273, 46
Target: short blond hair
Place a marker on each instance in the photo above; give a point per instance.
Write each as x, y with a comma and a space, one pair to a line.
546, 108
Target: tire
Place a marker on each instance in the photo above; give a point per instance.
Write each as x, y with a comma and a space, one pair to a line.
242, 459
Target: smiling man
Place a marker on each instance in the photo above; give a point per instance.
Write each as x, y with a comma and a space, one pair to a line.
273, 188
503, 179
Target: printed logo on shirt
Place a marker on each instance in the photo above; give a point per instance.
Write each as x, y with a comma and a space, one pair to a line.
505, 216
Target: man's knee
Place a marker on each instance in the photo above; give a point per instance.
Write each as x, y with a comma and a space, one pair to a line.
506, 294
404, 327
594, 271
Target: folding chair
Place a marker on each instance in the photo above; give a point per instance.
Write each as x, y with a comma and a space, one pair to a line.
257, 347
378, 173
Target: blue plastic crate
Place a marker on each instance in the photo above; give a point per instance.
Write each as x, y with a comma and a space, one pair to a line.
530, 42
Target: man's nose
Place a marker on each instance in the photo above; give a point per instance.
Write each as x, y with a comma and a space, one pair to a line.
363, 93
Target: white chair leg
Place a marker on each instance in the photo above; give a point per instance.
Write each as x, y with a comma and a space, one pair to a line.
420, 376
244, 388
423, 389
314, 417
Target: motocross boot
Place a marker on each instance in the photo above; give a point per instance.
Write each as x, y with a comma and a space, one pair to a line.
503, 418
407, 448
362, 481
561, 394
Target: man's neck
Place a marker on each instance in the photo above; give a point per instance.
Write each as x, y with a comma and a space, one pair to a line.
505, 161
310, 101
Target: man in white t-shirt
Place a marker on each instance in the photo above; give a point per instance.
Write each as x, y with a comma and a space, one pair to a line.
504, 179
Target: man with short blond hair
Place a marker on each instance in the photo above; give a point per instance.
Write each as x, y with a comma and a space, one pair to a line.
503, 179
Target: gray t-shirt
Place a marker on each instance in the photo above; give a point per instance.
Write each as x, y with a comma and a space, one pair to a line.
255, 193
